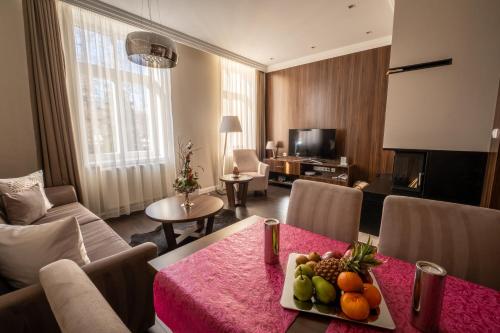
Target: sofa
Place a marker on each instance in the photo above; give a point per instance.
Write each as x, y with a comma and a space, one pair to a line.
120, 272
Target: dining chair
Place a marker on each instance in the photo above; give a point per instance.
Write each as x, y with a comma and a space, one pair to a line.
461, 238
77, 304
248, 164
326, 209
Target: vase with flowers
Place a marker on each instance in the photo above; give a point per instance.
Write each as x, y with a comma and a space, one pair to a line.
187, 179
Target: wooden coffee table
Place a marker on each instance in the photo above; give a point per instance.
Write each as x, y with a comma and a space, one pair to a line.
236, 197
169, 211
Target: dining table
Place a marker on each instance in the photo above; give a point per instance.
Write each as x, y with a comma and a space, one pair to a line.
220, 283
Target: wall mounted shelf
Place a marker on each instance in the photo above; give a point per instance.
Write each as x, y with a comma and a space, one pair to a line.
424, 65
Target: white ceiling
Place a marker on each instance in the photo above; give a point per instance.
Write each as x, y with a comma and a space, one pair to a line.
284, 30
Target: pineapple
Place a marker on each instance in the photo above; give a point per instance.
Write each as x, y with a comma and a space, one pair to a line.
359, 260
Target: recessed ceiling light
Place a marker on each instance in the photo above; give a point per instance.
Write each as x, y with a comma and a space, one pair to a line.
351, 6
369, 32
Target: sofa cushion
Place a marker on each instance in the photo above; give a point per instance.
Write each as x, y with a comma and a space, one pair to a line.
25, 207
101, 241
82, 214
26, 249
13, 185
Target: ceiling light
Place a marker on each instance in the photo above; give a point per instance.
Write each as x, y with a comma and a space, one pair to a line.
351, 6
271, 58
150, 49
313, 47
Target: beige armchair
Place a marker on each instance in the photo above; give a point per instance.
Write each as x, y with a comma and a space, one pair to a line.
247, 162
77, 304
326, 209
463, 239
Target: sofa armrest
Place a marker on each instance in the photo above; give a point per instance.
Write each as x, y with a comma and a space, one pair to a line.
26, 310
126, 282
61, 195
75, 301
124, 279
263, 169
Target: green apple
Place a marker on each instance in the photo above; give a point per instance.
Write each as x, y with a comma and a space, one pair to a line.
306, 270
325, 291
302, 287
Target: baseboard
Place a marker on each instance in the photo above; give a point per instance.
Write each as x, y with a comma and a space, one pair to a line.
207, 189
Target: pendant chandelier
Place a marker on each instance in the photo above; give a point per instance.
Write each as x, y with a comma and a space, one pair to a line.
150, 49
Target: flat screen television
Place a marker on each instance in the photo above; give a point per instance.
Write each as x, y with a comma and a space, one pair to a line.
312, 142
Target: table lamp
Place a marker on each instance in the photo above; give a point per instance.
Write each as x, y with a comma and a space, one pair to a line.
271, 146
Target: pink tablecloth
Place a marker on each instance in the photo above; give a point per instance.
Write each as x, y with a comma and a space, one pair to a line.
226, 287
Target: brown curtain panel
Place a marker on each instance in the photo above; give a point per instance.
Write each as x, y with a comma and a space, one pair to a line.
261, 114
49, 90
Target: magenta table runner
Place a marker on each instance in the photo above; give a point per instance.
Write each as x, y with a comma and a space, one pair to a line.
227, 287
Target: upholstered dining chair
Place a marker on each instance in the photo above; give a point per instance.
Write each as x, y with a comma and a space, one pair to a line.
248, 163
77, 304
461, 238
326, 209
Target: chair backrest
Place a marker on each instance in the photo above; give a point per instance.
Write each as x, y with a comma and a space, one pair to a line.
463, 239
76, 303
246, 159
327, 209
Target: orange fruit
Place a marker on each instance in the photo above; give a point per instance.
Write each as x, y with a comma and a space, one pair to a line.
350, 281
355, 306
372, 295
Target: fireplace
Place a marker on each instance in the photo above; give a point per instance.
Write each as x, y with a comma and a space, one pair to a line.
408, 172
453, 176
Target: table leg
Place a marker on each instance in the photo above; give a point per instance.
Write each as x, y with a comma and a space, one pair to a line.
200, 224
242, 194
210, 224
168, 230
230, 195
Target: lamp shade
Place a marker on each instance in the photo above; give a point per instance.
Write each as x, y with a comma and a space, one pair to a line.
230, 124
270, 145
151, 50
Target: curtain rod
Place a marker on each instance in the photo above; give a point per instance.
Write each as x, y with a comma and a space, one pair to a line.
145, 24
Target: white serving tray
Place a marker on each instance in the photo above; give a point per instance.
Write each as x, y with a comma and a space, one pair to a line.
382, 319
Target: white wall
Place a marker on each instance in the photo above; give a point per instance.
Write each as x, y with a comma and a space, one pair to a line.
450, 107
18, 146
196, 105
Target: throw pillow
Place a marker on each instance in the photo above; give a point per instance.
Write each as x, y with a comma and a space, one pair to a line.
14, 185
25, 207
26, 249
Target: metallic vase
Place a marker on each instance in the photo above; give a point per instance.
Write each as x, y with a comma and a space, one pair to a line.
427, 297
271, 241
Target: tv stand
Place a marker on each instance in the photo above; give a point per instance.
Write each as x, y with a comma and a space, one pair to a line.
285, 170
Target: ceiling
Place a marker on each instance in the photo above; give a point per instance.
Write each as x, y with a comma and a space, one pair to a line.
276, 33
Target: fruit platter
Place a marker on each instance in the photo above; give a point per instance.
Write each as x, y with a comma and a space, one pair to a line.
338, 285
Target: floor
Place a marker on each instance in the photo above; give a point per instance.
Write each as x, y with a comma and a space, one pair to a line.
274, 205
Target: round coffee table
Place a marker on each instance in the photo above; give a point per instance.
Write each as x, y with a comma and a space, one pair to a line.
169, 211
236, 197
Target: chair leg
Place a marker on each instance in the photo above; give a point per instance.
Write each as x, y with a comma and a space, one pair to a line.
265, 193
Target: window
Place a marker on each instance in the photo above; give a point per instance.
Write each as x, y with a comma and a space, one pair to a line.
121, 103
121, 115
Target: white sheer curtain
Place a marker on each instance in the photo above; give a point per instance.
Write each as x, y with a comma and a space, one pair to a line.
238, 98
122, 116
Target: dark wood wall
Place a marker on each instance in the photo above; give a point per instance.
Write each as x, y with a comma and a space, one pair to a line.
347, 93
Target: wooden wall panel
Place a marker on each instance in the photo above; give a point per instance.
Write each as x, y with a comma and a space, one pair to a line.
347, 93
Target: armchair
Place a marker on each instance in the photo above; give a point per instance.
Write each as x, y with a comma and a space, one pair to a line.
247, 162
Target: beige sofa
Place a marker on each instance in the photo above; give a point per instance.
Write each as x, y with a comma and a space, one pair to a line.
121, 274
